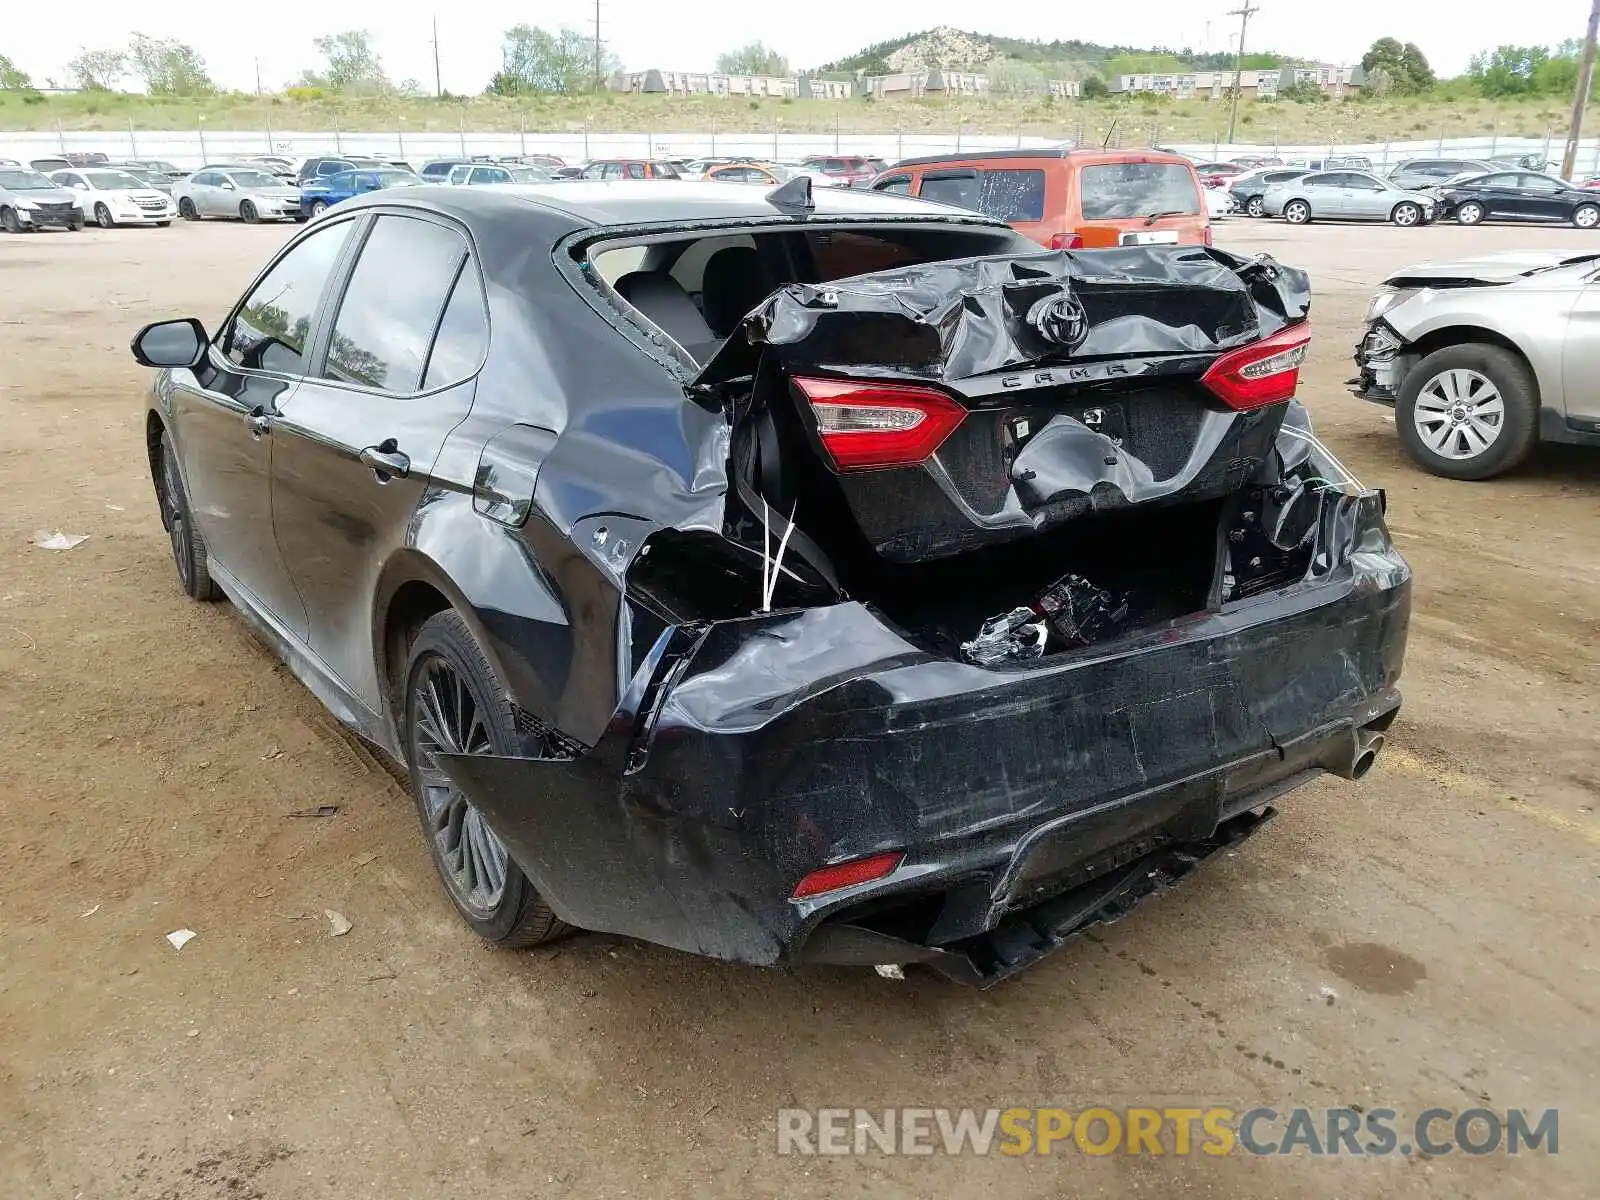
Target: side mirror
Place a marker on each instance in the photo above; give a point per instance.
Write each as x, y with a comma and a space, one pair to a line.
227, 185
180, 343
80, 187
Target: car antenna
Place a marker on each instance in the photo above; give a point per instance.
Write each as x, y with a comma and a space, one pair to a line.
1109, 132
794, 196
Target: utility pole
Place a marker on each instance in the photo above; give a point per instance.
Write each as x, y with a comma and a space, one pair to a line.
1244, 12
1569, 159
438, 86
258, 77
597, 80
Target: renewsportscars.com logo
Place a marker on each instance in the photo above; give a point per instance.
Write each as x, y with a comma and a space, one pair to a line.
1175, 1131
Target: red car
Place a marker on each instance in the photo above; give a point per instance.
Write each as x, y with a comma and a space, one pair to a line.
1217, 174
1592, 183
844, 170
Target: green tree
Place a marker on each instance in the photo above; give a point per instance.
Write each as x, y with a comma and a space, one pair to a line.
98, 70
1404, 66
534, 61
1507, 70
353, 64
169, 67
12, 79
1094, 88
754, 59
1418, 74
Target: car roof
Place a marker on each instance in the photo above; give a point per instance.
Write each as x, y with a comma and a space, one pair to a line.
606, 204
1043, 154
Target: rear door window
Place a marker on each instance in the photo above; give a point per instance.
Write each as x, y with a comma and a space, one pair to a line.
633, 170
463, 333
957, 188
393, 304
899, 185
1120, 191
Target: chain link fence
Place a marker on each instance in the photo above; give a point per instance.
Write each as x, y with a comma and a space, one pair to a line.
195, 147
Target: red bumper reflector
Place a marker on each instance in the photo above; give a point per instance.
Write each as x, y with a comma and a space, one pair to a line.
865, 425
847, 874
1261, 373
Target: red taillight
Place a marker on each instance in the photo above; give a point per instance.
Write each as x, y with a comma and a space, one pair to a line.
1066, 241
847, 874
866, 425
1261, 373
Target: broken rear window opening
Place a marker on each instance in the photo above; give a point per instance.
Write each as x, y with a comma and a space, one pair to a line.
1119, 191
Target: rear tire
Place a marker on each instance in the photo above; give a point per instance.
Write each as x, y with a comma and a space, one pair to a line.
248, 213
1406, 214
318, 207
454, 704
188, 547
187, 210
1297, 212
1449, 383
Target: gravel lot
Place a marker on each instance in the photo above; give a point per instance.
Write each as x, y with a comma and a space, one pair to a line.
1423, 938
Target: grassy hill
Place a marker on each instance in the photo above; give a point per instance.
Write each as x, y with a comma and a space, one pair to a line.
1138, 120
1069, 58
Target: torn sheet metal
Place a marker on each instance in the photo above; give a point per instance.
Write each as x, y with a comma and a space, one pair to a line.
964, 318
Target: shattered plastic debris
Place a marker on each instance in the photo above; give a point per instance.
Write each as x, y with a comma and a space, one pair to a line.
180, 938
1075, 609
1018, 636
47, 539
338, 921
1079, 612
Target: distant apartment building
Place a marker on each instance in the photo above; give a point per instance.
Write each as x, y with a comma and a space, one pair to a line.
1214, 85
903, 85
692, 83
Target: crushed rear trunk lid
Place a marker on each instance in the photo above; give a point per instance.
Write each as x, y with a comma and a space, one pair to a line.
962, 404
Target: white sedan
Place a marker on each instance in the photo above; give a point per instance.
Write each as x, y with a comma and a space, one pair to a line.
1220, 202
111, 197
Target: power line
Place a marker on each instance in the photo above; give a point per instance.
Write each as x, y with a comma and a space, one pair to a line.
1244, 12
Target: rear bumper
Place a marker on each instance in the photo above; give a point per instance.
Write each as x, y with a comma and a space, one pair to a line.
1027, 802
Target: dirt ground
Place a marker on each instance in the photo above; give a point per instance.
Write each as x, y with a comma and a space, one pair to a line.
1424, 938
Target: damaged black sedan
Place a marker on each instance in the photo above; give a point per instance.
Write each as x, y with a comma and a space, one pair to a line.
785, 576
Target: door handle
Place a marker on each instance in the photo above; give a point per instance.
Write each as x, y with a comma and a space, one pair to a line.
386, 461
260, 421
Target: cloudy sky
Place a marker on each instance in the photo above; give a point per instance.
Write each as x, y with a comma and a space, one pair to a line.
642, 33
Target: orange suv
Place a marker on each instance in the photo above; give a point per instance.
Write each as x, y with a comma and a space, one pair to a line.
1067, 199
